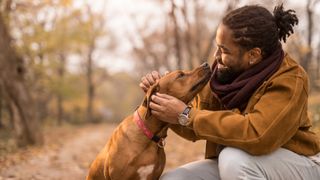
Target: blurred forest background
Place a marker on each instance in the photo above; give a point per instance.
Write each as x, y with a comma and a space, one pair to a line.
75, 63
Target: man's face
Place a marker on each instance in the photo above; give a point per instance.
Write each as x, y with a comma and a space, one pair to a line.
232, 61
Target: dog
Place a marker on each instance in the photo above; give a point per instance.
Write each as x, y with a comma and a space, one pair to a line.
135, 149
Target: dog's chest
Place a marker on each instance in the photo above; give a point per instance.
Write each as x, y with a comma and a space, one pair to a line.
145, 171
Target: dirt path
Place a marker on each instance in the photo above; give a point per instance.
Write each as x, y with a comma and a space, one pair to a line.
69, 151
64, 159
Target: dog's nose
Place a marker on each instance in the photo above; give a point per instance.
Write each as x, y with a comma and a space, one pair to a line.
205, 64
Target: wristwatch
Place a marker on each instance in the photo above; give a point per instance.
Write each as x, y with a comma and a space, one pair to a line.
184, 118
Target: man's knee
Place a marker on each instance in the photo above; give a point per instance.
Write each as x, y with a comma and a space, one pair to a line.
177, 174
235, 163
203, 169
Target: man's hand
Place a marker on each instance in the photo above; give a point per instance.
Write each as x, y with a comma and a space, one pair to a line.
148, 80
166, 108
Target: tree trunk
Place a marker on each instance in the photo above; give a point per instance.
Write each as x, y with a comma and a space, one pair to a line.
178, 49
90, 85
26, 126
306, 61
1, 108
318, 62
188, 38
167, 45
61, 72
10, 114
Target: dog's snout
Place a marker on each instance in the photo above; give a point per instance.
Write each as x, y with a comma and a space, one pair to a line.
205, 65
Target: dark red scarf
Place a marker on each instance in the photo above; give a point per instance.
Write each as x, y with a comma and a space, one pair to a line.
237, 93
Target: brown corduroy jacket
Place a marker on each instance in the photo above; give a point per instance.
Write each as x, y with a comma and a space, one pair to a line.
276, 116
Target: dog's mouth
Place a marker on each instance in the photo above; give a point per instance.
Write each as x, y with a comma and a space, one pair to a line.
198, 85
202, 81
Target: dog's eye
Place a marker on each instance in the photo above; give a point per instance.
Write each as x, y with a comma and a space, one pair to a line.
180, 75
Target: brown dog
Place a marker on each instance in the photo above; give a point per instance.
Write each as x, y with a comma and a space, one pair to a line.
133, 152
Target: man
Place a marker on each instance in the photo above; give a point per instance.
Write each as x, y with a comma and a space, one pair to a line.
253, 112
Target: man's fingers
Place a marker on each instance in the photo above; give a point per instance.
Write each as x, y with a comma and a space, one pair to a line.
155, 106
145, 82
164, 96
155, 75
143, 87
156, 99
149, 77
156, 113
148, 80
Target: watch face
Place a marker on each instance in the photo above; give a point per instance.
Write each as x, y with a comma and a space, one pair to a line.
183, 119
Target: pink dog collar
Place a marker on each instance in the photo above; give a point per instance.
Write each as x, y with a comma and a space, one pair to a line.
146, 131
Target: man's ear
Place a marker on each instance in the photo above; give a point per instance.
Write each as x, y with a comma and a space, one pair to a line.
255, 56
152, 90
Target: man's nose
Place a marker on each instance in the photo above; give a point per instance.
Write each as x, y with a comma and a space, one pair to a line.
218, 59
217, 54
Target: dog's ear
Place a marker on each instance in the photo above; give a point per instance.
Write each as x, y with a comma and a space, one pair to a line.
153, 89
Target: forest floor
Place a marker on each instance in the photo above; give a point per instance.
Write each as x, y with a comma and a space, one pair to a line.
69, 150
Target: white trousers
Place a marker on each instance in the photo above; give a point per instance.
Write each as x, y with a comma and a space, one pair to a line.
235, 164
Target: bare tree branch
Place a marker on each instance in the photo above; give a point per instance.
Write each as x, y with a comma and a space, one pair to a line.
178, 50
231, 5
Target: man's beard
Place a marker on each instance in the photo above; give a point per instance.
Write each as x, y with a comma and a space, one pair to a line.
226, 75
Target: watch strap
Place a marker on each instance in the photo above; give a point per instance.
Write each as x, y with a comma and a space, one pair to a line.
186, 111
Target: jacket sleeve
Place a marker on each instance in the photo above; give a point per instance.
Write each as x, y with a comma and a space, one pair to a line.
203, 100
272, 121
187, 132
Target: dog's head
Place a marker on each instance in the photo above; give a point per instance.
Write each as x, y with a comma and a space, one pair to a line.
183, 85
